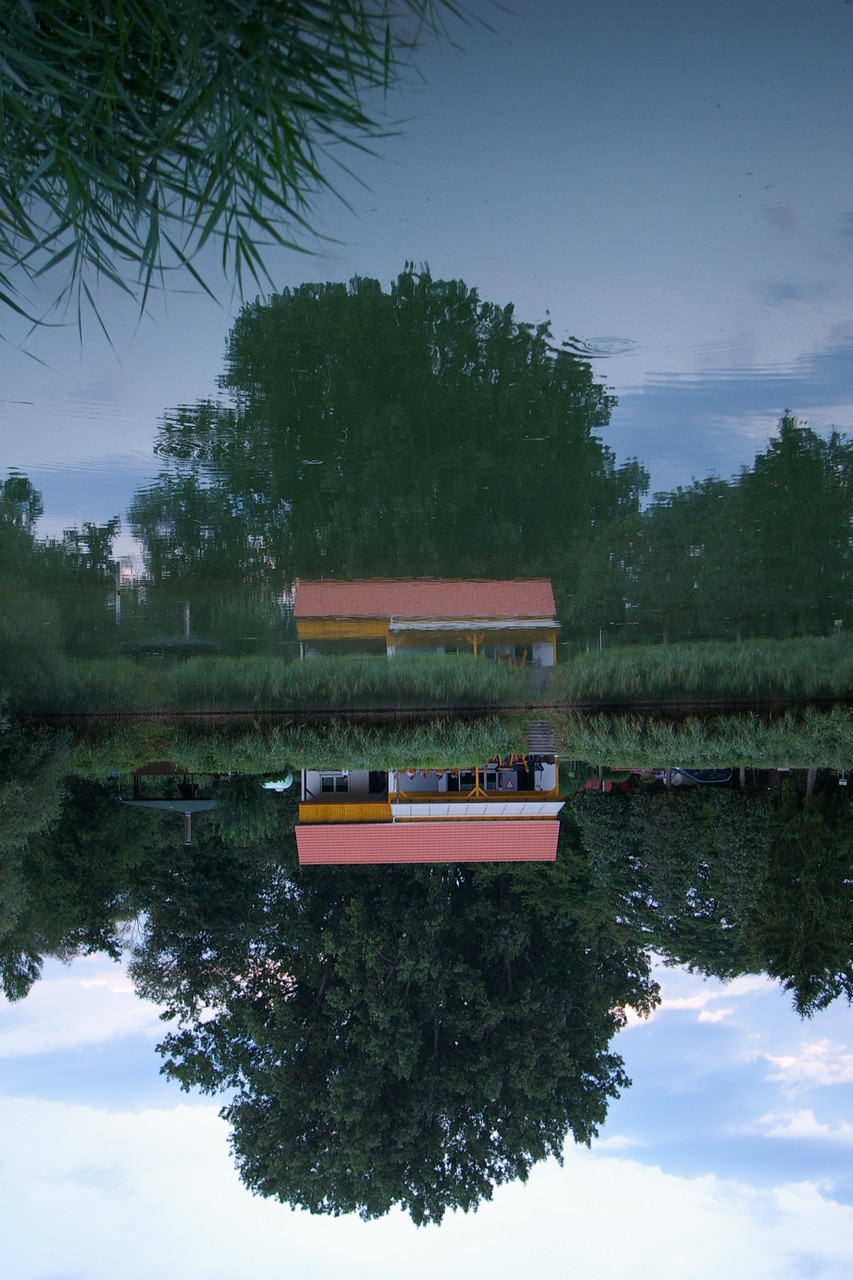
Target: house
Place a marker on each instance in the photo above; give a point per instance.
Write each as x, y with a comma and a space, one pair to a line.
503, 811
510, 621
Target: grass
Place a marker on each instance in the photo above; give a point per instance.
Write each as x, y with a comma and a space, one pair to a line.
106, 746
797, 738
805, 669
264, 684
800, 739
793, 671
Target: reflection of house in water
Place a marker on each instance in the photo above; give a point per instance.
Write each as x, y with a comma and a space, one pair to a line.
178, 792
504, 811
511, 621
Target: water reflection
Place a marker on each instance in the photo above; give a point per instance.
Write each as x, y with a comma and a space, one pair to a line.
394, 556
423, 433
415, 1035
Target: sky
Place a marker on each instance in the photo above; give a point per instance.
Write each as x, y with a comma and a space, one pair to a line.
669, 182
729, 1155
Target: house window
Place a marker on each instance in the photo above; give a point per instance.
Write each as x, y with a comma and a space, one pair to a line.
335, 782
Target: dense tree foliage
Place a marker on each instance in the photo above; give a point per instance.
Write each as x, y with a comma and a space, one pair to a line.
32, 775
55, 594
731, 883
391, 1035
419, 431
686, 868
405, 1035
767, 554
804, 921
76, 865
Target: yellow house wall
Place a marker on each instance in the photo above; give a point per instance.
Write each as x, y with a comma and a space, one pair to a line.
342, 628
463, 639
369, 811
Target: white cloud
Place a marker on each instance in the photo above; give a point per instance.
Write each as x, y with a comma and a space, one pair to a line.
818, 1063
803, 1124
617, 1142
89, 1002
715, 1015
682, 990
155, 1193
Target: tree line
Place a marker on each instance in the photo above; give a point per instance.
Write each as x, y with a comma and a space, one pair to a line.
422, 431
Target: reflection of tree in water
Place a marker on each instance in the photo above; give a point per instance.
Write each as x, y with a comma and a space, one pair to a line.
686, 867
425, 432
404, 1035
396, 1035
415, 1036
415, 432
731, 883
768, 553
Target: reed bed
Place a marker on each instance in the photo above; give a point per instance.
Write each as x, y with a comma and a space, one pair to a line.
809, 737
792, 671
264, 684
804, 669
798, 738
104, 747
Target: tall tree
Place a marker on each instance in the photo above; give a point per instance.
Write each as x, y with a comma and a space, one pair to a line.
417, 431
406, 1036
686, 868
804, 925
768, 553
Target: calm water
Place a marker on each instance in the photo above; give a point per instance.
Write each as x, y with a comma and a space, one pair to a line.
554, 564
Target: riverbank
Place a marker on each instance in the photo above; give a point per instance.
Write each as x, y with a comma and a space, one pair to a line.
753, 674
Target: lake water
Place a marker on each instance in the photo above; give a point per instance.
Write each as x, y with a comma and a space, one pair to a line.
508, 538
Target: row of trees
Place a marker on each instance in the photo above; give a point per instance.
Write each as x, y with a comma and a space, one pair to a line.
419, 431
767, 553
422, 431
404, 1035
54, 591
728, 883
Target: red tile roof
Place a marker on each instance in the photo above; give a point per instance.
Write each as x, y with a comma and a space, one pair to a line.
426, 598
364, 842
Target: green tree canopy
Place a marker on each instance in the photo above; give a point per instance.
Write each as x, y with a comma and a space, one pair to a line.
407, 1036
419, 431
804, 924
768, 553
685, 867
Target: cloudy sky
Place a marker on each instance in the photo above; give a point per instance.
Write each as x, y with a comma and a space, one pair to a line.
730, 1155
670, 182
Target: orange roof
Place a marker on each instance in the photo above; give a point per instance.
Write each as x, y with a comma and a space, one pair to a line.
364, 842
426, 598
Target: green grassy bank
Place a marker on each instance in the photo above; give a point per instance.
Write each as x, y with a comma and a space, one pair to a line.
797, 670
100, 747
804, 738
265, 684
755, 671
